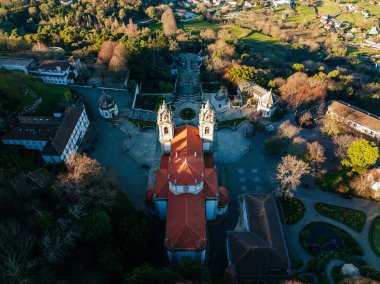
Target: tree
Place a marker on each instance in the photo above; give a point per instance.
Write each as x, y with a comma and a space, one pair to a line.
208, 35
147, 274
118, 62
191, 270
332, 126
286, 129
106, 52
361, 154
298, 67
96, 226
342, 143
169, 24
289, 174
315, 153
151, 12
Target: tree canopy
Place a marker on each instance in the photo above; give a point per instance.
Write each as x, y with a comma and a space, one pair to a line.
360, 155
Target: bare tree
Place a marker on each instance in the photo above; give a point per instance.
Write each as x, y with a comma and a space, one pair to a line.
169, 24
106, 52
297, 147
84, 185
304, 118
315, 153
342, 143
289, 174
118, 62
361, 184
16, 264
208, 35
286, 129
40, 47
132, 30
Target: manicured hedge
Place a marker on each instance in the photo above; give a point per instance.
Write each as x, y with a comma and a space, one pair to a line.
350, 217
374, 235
293, 210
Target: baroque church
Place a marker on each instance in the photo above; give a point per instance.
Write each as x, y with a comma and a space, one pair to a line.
186, 192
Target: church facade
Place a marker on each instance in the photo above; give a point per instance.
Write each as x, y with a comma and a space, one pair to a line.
186, 192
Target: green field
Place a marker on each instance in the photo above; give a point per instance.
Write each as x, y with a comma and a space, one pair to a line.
13, 92
197, 27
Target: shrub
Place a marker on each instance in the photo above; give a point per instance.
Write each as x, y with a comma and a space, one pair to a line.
350, 217
293, 210
96, 226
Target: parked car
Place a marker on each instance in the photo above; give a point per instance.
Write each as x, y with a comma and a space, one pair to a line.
145, 166
346, 196
269, 128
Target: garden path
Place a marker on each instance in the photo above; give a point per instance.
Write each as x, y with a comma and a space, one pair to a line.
310, 197
330, 266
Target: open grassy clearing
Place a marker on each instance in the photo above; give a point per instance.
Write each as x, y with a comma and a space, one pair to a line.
329, 8
197, 27
357, 19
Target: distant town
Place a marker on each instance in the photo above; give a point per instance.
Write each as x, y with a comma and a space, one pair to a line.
193, 141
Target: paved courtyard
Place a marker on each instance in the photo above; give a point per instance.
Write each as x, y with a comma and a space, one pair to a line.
110, 150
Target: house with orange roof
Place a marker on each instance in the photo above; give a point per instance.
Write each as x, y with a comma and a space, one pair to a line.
186, 191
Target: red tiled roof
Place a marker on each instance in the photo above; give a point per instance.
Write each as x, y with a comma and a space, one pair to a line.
149, 196
186, 165
210, 183
223, 196
186, 222
161, 186
53, 64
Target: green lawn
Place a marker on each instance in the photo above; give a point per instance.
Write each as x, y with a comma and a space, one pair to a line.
357, 20
231, 123
328, 8
197, 27
350, 217
374, 235
11, 86
142, 123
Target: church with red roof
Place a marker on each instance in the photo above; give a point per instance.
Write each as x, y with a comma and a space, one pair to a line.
186, 192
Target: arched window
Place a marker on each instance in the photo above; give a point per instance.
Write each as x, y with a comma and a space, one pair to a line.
166, 130
207, 130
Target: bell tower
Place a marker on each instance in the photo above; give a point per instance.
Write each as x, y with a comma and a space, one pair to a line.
165, 127
206, 126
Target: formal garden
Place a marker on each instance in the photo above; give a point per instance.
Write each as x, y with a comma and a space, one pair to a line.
292, 209
187, 113
374, 235
355, 219
318, 237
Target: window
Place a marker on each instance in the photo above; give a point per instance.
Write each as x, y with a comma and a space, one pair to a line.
207, 130
185, 189
166, 130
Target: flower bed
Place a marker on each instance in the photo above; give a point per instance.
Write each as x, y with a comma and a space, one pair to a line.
374, 235
293, 210
321, 237
350, 217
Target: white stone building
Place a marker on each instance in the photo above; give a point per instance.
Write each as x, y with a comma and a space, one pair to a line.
186, 192
55, 137
107, 106
57, 72
267, 102
17, 64
356, 118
